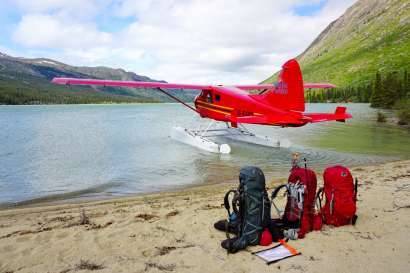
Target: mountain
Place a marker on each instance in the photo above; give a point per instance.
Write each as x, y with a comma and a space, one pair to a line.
27, 81
371, 36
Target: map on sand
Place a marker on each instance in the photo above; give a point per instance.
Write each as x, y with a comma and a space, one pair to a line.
277, 253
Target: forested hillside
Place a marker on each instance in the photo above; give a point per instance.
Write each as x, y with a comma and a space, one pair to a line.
27, 81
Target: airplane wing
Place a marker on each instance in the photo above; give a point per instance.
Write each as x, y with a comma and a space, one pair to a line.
160, 86
339, 115
135, 84
138, 84
256, 86
318, 85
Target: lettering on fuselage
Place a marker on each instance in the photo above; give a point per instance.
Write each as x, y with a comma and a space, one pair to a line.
280, 88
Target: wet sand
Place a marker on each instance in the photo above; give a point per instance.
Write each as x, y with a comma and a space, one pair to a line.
173, 232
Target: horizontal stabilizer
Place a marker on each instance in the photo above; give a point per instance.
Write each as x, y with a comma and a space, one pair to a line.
339, 115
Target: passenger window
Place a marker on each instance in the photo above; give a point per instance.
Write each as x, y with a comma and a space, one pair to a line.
217, 97
209, 97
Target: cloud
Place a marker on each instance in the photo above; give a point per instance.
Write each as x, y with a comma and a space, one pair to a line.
231, 41
47, 31
65, 8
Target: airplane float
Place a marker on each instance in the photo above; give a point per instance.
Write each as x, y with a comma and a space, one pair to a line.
278, 104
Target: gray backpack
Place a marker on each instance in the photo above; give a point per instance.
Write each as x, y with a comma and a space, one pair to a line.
253, 212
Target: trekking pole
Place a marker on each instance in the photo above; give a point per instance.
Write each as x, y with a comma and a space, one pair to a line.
307, 183
305, 188
306, 172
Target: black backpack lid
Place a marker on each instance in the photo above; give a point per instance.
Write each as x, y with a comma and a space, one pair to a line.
252, 177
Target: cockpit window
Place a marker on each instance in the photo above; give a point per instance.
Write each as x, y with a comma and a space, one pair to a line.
217, 97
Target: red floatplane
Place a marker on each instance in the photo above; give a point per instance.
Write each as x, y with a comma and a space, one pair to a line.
278, 104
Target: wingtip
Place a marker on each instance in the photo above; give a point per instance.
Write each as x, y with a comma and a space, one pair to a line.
59, 81
319, 85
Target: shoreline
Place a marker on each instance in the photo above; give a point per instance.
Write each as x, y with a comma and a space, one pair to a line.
80, 201
173, 232
56, 200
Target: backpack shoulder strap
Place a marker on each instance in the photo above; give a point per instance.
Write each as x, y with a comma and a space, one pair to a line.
319, 197
226, 200
356, 185
276, 191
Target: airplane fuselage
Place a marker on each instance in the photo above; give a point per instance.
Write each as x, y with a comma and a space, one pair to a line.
229, 104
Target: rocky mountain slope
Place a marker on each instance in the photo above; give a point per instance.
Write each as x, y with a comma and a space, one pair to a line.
372, 35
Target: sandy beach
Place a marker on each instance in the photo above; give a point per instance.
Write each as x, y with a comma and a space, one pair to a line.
173, 232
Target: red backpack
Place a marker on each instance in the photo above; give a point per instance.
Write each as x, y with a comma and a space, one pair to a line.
340, 193
301, 192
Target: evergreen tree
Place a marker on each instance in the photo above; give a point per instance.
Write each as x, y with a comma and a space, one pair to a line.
368, 93
389, 91
376, 99
406, 85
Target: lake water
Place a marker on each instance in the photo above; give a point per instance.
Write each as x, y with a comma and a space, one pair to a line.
101, 151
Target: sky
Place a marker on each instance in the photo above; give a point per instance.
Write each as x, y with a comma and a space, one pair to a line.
181, 41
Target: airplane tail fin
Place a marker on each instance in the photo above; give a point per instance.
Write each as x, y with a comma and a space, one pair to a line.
291, 77
288, 93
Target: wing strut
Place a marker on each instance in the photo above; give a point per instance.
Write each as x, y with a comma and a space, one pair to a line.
175, 98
